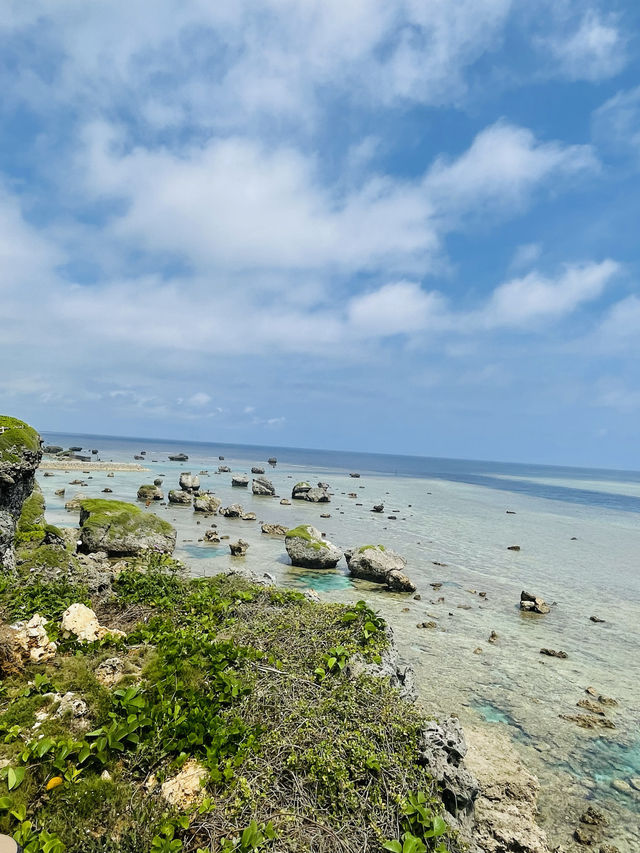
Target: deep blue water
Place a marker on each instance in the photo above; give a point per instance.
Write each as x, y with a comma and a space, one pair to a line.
474, 472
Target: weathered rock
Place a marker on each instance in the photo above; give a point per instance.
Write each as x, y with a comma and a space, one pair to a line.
212, 536
377, 563
74, 504
110, 671
178, 457
80, 621
263, 486
224, 469
587, 721
233, 511
552, 653
240, 480
589, 705
305, 492
52, 448
285, 502
399, 675
594, 817
70, 704
150, 493
274, 529
378, 508
206, 503
32, 640
123, 530
248, 516
20, 455
533, 604
307, 549
257, 470
239, 548
185, 789
59, 493
180, 496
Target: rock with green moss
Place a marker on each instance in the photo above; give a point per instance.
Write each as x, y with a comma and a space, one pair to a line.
122, 529
20, 455
206, 503
381, 565
150, 492
308, 550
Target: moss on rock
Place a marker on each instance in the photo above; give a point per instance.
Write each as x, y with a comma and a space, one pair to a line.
123, 529
16, 438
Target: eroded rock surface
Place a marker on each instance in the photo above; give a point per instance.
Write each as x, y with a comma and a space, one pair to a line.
307, 549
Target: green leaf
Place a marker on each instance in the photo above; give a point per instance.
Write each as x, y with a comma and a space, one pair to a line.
15, 777
5, 804
393, 846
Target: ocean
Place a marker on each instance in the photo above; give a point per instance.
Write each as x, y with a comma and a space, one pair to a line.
579, 537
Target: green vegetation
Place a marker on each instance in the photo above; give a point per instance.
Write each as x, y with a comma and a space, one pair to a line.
109, 522
302, 532
251, 682
369, 547
16, 438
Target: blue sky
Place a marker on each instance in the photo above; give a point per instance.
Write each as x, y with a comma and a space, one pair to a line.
384, 225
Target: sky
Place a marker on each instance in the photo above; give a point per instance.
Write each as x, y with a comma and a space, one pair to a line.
402, 226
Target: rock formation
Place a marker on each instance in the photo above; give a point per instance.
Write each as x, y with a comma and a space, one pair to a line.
20, 455
122, 529
379, 564
263, 486
306, 492
307, 549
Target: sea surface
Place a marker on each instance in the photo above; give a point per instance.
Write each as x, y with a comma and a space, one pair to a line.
579, 537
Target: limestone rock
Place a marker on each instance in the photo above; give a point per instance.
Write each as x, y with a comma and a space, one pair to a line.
110, 671
33, 641
212, 536
380, 565
189, 482
285, 502
185, 789
150, 493
239, 548
274, 529
80, 621
533, 604
206, 503
73, 705
257, 470
263, 486
180, 496
20, 455
240, 480
307, 549
305, 492
123, 530
233, 511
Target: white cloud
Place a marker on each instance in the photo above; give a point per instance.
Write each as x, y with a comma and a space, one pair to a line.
500, 169
616, 124
199, 399
523, 302
399, 308
594, 51
525, 256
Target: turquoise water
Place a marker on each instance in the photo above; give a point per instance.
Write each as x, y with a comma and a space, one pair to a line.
579, 533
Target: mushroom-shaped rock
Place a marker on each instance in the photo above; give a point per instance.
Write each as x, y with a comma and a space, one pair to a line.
532, 603
262, 486
150, 493
122, 529
206, 503
233, 511
379, 564
307, 549
274, 529
80, 621
239, 548
240, 480
180, 496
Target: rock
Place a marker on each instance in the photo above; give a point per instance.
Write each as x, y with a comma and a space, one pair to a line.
257, 470
307, 549
532, 604
594, 817
157, 481
73, 705
240, 480
233, 511
493, 637
212, 536
189, 482
32, 640
285, 502
354, 475
59, 493
635, 782
585, 834
20, 455
262, 486
378, 508
590, 706
206, 503
272, 460
399, 676
381, 565
248, 516
224, 469
417, 597
180, 496
80, 621
608, 848
586, 721
427, 625
75, 502
107, 491
178, 457
52, 448
274, 529
239, 548
596, 619
149, 493
305, 492
552, 653
185, 789
110, 671
621, 786
513, 547
123, 530
110, 474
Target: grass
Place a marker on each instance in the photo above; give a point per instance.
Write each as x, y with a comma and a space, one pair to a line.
17, 438
302, 532
227, 673
369, 547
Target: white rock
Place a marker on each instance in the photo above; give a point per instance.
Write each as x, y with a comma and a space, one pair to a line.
33, 639
80, 621
185, 789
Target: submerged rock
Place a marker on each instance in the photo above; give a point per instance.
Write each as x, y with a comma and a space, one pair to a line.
274, 529
123, 530
307, 549
552, 653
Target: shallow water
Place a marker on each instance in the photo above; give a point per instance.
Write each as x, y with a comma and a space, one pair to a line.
453, 512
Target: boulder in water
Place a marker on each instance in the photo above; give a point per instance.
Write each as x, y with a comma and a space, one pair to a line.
307, 549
